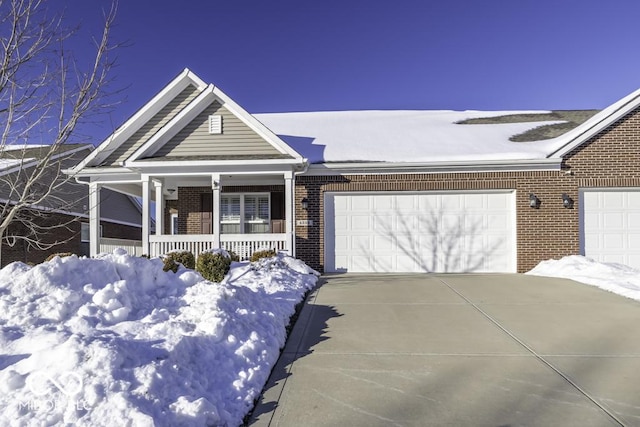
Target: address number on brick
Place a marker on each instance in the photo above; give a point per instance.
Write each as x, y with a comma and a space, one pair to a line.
304, 223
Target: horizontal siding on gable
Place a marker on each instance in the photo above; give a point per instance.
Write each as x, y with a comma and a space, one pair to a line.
236, 139
152, 126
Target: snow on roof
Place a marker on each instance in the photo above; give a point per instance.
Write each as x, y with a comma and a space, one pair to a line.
14, 147
404, 136
6, 163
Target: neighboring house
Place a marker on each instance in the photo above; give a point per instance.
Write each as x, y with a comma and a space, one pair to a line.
62, 217
362, 191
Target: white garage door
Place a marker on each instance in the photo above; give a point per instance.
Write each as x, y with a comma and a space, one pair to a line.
611, 225
421, 232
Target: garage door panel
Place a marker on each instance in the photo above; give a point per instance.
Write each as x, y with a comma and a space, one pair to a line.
496, 221
383, 204
612, 200
422, 231
611, 225
452, 203
426, 224
360, 223
475, 201
612, 219
343, 242
360, 263
633, 201
427, 203
384, 223
383, 243
450, 224
383, 264
405, 263
405, 203
341, 223
497, 202
360, 204
613, 241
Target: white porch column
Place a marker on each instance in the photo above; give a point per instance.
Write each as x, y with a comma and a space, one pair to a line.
94, 219
157, 185
289, 211
146, 219
215, 186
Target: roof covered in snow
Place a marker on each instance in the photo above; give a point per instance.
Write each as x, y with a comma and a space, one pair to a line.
347, 137
405, 136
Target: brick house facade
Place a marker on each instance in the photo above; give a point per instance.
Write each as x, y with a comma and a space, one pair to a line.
610, 159
170, 152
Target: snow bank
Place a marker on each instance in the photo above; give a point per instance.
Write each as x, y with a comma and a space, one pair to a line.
116, 340
617, 278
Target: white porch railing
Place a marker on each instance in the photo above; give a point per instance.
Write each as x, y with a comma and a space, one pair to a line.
246, 244
242, 244
194, 243
133, 247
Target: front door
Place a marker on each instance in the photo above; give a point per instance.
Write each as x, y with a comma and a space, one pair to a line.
206, 213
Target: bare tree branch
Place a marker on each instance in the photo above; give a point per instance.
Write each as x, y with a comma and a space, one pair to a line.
45, 95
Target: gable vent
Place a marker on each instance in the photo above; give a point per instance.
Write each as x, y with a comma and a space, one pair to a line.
215, 124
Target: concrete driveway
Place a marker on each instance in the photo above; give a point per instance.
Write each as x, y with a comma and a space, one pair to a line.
477, 350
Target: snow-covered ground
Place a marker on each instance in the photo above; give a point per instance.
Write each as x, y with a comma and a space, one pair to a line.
617, 278
117, 341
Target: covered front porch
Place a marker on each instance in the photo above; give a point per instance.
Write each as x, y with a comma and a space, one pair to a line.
240, 212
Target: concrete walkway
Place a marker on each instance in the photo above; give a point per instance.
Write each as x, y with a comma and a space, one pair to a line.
458, 350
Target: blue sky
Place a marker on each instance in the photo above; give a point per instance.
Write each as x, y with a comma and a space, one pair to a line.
352, 55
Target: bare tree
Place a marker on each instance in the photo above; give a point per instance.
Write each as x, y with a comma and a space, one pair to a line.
45, 96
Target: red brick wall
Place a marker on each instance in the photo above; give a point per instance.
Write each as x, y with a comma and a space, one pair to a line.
609, 159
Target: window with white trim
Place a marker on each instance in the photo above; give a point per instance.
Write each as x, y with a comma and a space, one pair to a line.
84, 232
174, 223
245, 213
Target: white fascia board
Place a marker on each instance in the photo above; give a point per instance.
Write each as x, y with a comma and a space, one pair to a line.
190, 164
175, 125
249, 167
144, 114
547, 164
256, 125
605, 118
108, 174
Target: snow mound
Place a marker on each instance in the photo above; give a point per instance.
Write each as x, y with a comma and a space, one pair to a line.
90, 341
618, 278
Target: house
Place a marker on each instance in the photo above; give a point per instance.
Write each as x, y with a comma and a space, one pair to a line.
437, 191
61, 219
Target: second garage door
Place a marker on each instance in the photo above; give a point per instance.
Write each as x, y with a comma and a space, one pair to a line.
420, 232
610, 225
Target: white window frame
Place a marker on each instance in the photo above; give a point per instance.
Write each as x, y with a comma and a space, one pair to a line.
242, 219
85, 232
174, 223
